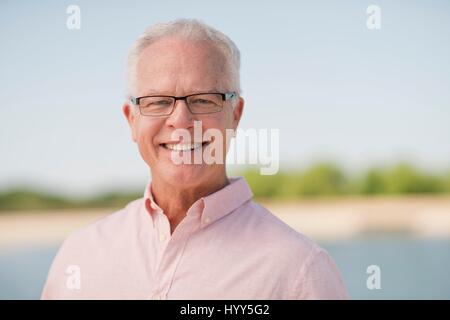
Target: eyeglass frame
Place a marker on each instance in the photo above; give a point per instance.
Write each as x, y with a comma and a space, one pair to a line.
225, 97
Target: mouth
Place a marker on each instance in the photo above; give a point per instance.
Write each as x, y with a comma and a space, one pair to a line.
184, 146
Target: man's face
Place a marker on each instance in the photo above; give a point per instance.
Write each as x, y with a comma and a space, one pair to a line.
178, 67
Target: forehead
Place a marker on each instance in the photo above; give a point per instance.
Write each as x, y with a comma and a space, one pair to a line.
180, 66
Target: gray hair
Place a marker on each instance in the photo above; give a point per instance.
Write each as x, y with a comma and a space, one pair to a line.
189, 29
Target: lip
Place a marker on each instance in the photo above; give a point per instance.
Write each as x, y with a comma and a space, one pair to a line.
164, 144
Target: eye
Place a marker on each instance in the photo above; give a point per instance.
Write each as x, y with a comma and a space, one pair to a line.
156, 102
161, 103
202, 101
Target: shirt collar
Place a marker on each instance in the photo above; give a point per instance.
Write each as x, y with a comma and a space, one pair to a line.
211, 207
150, 204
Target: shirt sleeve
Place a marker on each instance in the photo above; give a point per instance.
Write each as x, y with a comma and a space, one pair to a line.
320, 279
54, 284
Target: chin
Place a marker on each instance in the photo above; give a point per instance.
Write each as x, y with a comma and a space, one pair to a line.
185, 174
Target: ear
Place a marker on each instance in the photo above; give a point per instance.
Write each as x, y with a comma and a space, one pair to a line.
237, 112
129, 113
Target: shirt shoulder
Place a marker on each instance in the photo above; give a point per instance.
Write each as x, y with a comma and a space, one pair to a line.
309, 268
268, 227
109, 228
87, 247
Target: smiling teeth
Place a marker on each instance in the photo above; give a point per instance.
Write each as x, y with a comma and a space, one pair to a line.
183, 146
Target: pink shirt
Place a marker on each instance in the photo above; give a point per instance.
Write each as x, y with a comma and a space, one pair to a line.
227, 247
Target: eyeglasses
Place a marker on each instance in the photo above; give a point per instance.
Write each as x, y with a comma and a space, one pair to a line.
199, 103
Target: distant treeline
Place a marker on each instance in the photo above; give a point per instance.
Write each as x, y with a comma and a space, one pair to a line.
323, 179
26, 199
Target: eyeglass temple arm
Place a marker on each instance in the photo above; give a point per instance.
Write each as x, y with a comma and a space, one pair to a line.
229, 95
134, 100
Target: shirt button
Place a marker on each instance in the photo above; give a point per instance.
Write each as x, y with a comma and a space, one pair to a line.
162, 237
207, 220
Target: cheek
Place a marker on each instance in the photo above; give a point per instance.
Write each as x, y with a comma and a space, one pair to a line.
146, 132
219, 124
219, 121
211, 125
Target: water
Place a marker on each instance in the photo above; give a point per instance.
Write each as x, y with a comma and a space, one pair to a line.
410, 268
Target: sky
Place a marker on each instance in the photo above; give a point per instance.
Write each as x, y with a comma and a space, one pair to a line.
335, 89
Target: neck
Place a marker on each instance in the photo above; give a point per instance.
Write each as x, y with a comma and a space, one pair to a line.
176, 200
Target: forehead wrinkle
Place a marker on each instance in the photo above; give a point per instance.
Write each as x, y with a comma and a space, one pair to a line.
180, 67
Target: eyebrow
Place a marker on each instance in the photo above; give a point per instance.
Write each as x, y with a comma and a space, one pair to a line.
152, 92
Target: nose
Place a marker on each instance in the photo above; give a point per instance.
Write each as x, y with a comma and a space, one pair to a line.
181, 117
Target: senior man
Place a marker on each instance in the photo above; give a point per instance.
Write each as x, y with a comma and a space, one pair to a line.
195, 234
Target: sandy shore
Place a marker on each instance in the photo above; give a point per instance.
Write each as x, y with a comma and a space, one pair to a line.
331, 219
426, 216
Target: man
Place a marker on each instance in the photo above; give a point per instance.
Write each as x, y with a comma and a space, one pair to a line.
195, 234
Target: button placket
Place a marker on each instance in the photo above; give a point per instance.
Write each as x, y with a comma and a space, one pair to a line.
163, 228
172, 254
162, 237
158, 296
